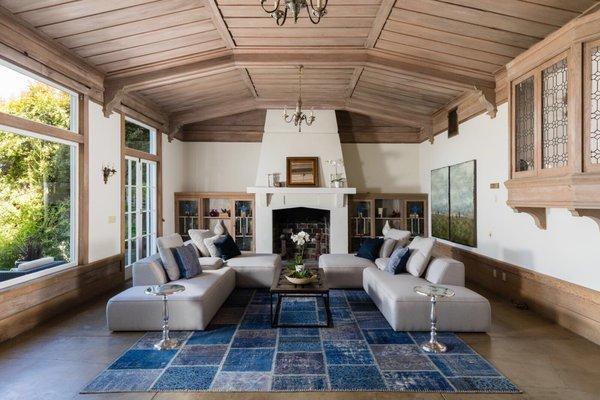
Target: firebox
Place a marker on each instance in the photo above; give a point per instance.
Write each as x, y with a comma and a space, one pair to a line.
313, 221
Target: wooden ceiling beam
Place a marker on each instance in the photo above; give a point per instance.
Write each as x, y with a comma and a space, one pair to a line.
388, 114
380, 19
217, 19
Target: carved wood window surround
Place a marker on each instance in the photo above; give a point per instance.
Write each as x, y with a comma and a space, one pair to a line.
555, 123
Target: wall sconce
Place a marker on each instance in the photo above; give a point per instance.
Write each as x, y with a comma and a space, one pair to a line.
107, 172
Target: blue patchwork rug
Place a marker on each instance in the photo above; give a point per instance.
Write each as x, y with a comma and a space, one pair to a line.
241, 352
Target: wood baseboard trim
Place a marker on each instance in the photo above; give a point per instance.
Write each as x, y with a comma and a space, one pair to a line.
26, 305
574, 307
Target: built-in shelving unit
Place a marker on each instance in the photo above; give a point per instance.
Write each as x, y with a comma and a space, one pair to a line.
193, 211
368, 214
555, 123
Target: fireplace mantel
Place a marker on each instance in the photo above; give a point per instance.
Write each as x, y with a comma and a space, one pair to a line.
263, 192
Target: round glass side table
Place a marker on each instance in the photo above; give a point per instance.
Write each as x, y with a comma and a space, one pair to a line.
166, 343
434, 293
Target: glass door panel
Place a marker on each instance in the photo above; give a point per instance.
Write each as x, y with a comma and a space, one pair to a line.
244, 225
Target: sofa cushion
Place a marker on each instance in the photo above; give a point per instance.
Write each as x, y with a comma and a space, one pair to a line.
187, 261
387, 247
369, 248
420, 256
210, 245
197, 236
210, 263
446, 271
382, 263
164, 245
400, 236
227, 247
344, 271
255, 260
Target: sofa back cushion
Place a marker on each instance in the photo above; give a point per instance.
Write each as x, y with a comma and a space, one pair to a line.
210, 245
164, 245
446, 271
187, 261
421, 254
149, 271
387, 247
197, 236
400, 236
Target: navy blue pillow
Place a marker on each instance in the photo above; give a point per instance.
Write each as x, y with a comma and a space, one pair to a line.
369, 248
398, 260
227, 247
187, 261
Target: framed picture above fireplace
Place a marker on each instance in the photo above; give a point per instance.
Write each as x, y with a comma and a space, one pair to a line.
302, 171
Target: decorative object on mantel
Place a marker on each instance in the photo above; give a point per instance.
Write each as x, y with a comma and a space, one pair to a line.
302, 171
273, 179
315, 13
336, 179
298, 116
107, 172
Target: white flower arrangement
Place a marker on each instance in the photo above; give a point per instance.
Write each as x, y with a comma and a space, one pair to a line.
301, 238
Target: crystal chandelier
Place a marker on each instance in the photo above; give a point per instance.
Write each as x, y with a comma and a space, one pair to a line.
295, 6
298, 116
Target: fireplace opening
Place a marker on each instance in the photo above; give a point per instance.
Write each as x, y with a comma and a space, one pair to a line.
290, 221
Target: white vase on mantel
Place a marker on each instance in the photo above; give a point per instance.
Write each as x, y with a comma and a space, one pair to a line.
386, 228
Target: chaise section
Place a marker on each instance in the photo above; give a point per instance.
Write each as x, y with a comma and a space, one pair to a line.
406, 310
192, 309
254, 270
344, 271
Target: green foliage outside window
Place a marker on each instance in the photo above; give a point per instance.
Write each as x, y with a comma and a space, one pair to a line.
35, 180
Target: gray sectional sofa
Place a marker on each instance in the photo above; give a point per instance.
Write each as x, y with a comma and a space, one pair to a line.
405, 310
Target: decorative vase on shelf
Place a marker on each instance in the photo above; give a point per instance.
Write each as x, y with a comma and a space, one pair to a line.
386, 228
213, 213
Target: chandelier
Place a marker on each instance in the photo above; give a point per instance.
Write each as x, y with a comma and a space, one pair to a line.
298, 116
295, 6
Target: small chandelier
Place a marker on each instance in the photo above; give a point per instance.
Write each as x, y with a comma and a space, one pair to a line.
298, 116
295, 6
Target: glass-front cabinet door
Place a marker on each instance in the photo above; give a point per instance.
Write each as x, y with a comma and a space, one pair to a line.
244, 224
187, 216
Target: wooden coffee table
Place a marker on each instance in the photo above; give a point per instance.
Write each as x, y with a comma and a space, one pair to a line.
281, 288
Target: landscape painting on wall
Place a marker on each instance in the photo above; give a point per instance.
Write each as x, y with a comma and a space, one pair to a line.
463, 216
453, 203
440, 203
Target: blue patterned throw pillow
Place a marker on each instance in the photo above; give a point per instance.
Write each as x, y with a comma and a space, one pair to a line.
187, 261
369, 248
398, 260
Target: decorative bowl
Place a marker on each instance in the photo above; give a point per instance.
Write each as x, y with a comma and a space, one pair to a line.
301, 281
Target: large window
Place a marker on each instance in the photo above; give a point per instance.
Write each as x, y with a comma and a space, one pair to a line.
140, 195
37, 177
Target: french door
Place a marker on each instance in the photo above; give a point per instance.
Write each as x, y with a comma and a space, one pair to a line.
140, 209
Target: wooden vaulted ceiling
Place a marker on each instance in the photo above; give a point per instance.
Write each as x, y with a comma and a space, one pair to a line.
400, 61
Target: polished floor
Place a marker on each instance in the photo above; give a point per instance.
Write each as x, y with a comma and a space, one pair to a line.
57, 359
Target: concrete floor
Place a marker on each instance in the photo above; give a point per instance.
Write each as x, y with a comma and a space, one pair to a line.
57, 359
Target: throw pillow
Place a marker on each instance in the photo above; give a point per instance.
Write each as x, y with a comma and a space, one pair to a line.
421, 254
398, 260
400, 236
210, 245
387, 248
197, 236
220, 228
164, 245
369, 248
227, 247
187, 261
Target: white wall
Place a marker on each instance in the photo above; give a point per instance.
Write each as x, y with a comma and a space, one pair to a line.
105, 203
382, 168
570, 247
173, 178
220, 167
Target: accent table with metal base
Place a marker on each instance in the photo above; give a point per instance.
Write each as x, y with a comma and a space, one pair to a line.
166, 343
434, 292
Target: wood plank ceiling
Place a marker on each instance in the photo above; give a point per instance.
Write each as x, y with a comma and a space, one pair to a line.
396, 60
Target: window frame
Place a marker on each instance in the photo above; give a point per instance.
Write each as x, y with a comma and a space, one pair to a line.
153, 139
74, 206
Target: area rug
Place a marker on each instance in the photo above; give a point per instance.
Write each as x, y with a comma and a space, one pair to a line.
241, 352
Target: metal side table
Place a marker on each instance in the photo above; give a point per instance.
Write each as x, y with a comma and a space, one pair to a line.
434, 293
166, 343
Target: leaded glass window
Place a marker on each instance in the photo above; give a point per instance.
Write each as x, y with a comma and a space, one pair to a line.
554, 116
595, 108
524, 126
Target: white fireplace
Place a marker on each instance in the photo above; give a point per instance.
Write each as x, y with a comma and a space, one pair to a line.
282, 140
